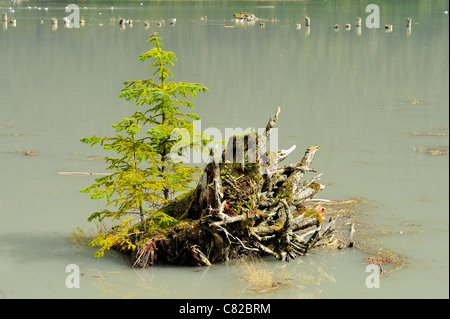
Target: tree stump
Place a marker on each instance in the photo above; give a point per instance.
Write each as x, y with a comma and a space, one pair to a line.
244, 203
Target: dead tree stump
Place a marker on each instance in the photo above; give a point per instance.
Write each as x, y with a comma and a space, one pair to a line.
245, 203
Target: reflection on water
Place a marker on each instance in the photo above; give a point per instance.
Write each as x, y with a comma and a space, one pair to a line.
359, 93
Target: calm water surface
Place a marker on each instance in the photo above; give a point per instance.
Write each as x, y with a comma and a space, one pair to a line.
360, 96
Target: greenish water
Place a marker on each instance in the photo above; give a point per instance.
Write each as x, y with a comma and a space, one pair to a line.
360, 96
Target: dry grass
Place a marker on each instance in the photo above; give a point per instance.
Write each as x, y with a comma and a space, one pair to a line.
254, 272
257, 276
81, 238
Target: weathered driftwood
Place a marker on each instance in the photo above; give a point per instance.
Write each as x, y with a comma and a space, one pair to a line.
243, 207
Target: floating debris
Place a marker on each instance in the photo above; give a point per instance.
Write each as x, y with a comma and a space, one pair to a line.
28, 153
12, 134
388, 27
415, 101
363, 234
429, 134
348, 26
434, 150
298, 26
244, 16
433, 133
437, 151
379, 260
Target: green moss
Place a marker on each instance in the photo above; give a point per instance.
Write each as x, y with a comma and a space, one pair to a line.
178, 207
313, 213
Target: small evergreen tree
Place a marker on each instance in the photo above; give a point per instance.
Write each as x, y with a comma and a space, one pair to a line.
143, 173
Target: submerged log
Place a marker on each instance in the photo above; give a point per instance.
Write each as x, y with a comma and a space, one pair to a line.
244, 203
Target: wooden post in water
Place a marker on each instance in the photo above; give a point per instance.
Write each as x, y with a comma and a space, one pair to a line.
4, 17
408, 26
307, 21
408, 22
358, 22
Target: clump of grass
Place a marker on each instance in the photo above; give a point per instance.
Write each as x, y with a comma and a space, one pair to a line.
82, 238
79, 238
259, 278
254, 272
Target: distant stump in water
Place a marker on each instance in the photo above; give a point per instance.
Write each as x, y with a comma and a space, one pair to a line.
247, 17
